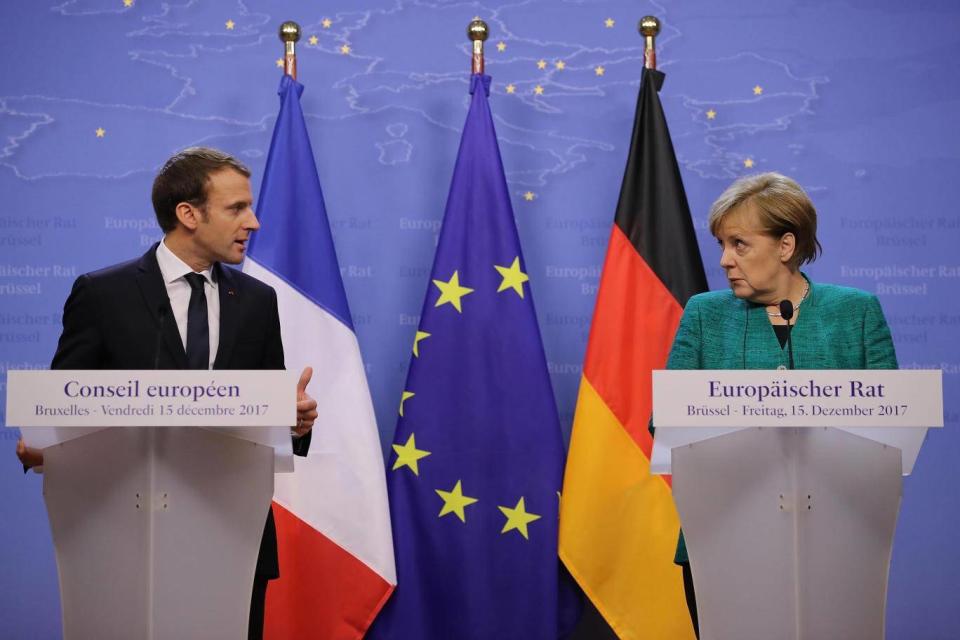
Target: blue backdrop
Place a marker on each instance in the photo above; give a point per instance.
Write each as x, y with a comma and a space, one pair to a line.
856, 100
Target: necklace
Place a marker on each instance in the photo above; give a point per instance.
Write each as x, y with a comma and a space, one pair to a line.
803, 296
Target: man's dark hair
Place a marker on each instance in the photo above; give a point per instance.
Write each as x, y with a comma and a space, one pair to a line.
184, 178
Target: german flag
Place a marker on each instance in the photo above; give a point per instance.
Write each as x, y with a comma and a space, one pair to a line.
618, 523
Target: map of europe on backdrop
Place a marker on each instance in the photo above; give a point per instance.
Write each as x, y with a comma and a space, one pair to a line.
856, 100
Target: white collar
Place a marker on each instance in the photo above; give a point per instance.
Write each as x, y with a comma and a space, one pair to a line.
173, 268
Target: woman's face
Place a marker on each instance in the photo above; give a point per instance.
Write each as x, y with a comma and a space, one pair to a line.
757, 264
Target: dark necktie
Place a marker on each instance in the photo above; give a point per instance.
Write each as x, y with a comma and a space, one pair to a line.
198, 329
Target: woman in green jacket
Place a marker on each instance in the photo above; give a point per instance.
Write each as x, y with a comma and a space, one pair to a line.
767, 229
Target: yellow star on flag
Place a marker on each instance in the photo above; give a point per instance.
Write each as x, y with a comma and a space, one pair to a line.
538, 90
511, 88
326, 22
406, 395
560, 65
128, 3
748, 163
421, 335
314, 40
529, 196
408, 455
541, 64
501, 46
757, 90
517, 518
100, 132
599, 70
609, 22
454, 502
513, 278
230, 25
711, 114
451, 291
279, 62
345, 49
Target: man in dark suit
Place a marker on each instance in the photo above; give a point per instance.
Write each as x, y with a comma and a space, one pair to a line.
178, 307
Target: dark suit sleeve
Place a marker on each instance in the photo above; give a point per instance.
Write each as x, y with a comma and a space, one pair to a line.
273, 349
273, 359
81, 343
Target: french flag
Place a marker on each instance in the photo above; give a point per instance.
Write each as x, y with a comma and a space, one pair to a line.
333, 520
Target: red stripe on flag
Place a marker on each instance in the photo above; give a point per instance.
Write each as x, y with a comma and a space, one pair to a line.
634, 322
323, 590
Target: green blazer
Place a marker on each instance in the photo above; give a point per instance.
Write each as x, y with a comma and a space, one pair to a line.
836, 328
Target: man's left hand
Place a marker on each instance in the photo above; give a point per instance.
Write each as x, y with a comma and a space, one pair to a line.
306, 405
29, 456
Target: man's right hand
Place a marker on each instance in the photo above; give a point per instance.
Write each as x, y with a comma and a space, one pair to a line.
29, 456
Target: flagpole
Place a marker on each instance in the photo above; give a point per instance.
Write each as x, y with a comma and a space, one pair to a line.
290, 33
649, 27
477, 31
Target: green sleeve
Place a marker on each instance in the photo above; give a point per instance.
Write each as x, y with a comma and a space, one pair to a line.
686, 354
686, 350
877, 342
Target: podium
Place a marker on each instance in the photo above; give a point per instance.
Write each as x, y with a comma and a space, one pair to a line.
157, 486
788, 485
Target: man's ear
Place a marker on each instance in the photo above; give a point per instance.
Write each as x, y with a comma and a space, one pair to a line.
188, 215
788, 246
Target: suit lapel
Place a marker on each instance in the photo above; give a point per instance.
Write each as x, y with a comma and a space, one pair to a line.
155, 297
230, 314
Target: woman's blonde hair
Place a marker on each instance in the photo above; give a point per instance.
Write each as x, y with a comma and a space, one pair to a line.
783, 207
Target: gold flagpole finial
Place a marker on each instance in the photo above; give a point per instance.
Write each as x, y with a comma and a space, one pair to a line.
477, 31
649, 27
290, 33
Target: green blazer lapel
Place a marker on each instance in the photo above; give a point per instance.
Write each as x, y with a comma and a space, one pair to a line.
762, 347
807, 335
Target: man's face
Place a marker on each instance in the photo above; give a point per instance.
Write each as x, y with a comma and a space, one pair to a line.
226, 220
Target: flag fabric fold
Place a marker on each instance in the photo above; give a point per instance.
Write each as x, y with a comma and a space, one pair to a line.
475, 469
333, 524
618, 525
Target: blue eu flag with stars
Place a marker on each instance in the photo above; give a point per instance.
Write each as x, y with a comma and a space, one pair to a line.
476, 466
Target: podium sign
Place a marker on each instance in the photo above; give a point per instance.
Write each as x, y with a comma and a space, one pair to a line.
890, 407
168, 398
808, 398
157, 486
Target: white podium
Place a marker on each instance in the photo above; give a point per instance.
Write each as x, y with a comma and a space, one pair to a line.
157, 486
788, 485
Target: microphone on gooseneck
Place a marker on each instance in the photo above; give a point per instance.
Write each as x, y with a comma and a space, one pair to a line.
786, 312
162, 316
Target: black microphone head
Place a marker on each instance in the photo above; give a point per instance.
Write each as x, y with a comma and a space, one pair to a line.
786, 309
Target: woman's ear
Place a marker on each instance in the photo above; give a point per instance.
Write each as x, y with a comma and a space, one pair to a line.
788, 247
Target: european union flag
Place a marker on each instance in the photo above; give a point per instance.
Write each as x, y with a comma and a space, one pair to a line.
474, 475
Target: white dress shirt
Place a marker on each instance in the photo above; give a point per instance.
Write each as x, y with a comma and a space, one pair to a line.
173, 270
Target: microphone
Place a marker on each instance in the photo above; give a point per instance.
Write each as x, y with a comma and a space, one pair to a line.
786, 312
162, 315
